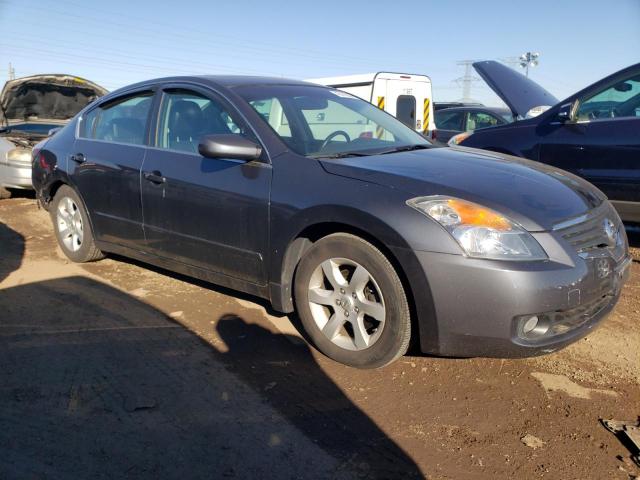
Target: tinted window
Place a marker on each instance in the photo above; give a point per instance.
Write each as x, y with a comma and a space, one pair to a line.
406, 110
619, 100
185, 117
449, 120
122, 120
478, 120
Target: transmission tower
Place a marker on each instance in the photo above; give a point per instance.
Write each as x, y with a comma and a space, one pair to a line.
467, 79
11, 74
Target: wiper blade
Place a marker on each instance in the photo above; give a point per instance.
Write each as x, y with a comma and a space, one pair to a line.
406, 148
343, 155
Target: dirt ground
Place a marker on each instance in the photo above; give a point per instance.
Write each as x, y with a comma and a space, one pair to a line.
118, 370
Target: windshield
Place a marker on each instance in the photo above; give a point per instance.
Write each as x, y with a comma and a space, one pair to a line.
322, 122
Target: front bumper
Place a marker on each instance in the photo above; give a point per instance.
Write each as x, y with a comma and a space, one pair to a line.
13, 176
479, 305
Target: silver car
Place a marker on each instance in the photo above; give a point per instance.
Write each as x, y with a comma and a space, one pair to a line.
30, 107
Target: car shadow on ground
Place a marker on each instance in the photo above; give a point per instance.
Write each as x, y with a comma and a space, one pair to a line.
95, 383
11, 251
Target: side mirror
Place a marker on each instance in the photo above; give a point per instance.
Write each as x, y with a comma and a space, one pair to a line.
564, 113
53, 131
229, 146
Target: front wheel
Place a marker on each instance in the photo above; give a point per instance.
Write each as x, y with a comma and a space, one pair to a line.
351, 302
72, 228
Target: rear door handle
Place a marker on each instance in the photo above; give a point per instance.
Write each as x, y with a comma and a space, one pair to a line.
154, 177
78, 158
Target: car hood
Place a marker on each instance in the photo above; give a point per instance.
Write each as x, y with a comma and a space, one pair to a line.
47, 97
534, 195
520, 93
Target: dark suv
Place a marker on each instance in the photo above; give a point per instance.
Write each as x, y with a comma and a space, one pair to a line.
308, 196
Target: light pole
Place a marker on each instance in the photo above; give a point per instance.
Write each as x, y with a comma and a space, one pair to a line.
529, 59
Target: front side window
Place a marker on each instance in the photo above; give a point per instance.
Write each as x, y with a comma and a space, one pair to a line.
122, 120
185, 117
317, 121
619, 100
479, 120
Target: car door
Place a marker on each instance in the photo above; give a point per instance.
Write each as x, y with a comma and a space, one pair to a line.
105, 166
211, 213
611, 150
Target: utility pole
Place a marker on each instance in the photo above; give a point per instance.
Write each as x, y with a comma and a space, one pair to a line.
529, 59
11, 73
466, 80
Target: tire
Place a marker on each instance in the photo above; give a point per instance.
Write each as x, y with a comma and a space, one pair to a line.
361, 317
72, 227
4, 193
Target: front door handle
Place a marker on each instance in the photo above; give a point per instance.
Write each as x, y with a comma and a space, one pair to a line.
154, 177
78, 158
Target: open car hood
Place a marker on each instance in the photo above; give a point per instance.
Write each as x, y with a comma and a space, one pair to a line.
51, 97
520, 93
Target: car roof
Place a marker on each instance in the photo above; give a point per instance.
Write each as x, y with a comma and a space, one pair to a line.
224, 81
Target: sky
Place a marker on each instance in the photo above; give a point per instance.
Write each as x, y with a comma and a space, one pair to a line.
120, 42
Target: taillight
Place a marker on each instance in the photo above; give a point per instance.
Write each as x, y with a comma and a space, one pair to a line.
41, 159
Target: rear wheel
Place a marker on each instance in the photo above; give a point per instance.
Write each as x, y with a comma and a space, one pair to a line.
72, 228
351, 302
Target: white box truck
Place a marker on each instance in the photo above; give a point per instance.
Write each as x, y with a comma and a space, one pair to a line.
406, 96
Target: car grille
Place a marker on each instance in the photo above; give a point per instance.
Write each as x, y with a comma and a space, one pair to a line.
563, 322
588, 232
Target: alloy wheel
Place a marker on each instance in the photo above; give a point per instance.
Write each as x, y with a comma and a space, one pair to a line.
70, 226
346, 303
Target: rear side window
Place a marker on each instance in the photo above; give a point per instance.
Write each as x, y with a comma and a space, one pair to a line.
406, 110
449, 120
122, 120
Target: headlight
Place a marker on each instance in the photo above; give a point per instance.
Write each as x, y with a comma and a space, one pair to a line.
480, 231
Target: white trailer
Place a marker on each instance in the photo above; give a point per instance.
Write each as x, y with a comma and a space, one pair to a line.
406, 96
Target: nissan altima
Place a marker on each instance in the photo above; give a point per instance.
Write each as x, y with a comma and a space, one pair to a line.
327, 206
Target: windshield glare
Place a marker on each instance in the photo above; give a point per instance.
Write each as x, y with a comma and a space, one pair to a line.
321, 122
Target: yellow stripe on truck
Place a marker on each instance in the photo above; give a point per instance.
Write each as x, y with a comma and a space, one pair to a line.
380, 130
425, 115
